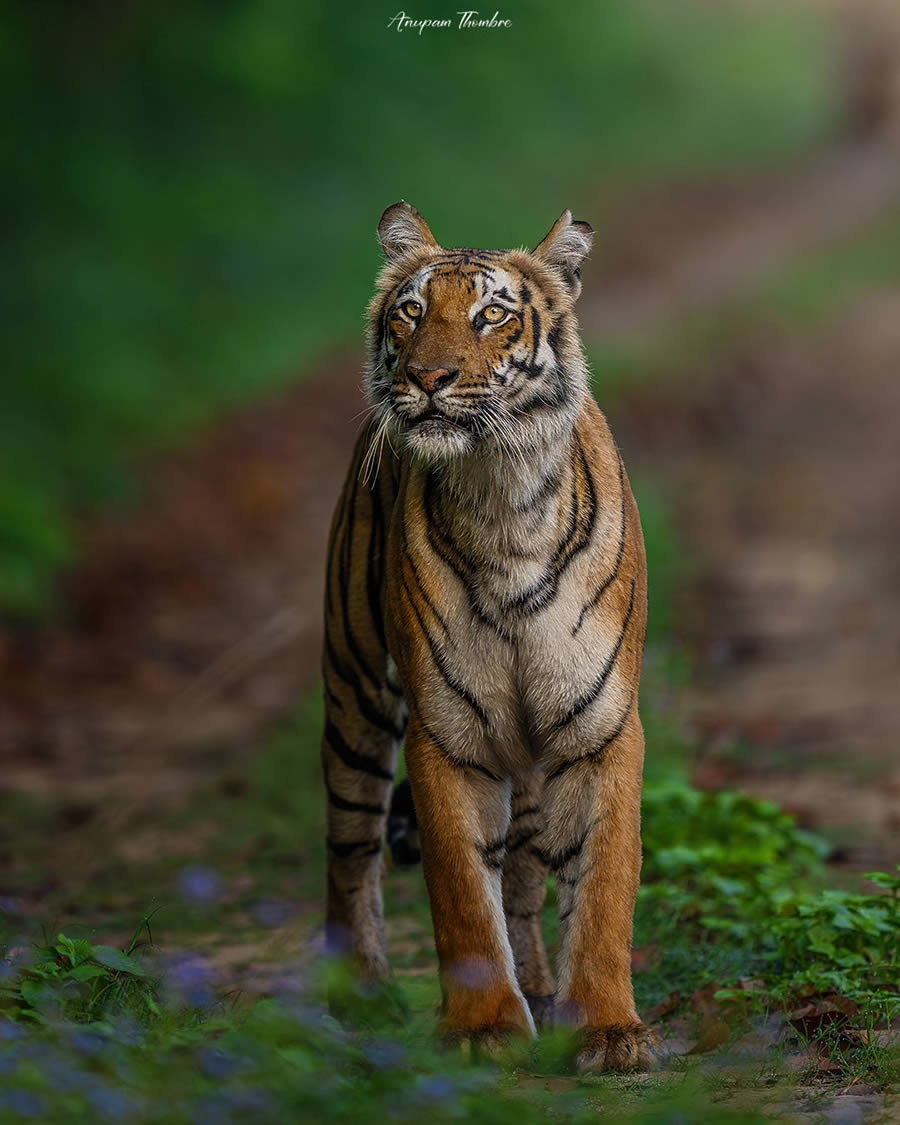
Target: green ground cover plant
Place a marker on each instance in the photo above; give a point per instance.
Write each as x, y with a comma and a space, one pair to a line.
87, 1027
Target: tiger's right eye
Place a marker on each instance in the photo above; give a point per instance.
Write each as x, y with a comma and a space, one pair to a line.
412, 309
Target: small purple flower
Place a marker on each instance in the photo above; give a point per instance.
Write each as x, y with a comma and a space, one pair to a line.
314, 1016
289, 985
473, 972
271, 912
60, 1074
88, 1040
385, 1054
433, 1088
191, 978
128, 1032
335, 941
218, 1063
199, 886
26, 1103
222, 1107
112, 1104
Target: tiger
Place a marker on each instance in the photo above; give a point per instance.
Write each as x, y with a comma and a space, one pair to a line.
485, 607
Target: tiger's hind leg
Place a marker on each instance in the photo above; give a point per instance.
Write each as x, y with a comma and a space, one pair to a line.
358, 761
525, 873
365, 716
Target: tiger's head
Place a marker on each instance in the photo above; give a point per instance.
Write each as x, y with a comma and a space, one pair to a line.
475, 349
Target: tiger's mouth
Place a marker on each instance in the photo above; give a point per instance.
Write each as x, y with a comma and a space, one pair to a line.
435, 436
433, 421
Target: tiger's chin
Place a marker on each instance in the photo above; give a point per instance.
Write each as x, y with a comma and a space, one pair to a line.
436, 439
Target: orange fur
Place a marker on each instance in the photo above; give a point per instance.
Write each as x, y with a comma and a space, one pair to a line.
487, 578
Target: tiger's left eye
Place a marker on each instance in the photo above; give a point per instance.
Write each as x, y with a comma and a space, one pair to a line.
493, 314
412, 309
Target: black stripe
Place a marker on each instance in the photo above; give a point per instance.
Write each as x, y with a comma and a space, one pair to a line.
553, 340
547, 488
440, 662
492, 853
522, 913
351, 758
454, 761
363, 847
344, 586
553, 399
333, 699
375, 571
524, 839
598, 750
576, 537
600, 683
558, 860
525, 812
535, 335
447, 551
585, 524
434, 609
379, 319
367, 708
339, 802
614, 573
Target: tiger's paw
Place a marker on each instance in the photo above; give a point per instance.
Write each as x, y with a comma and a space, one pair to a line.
618, 1048
492, 1041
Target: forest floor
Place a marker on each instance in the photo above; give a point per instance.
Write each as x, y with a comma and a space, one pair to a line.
152, 723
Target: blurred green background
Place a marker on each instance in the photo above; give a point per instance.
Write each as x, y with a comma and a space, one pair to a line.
190, 193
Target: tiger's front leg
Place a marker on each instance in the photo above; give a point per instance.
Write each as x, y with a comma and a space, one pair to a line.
463, 815
594, 850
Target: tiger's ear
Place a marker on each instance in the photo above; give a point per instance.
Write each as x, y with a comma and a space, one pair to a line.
565, 248
402, 229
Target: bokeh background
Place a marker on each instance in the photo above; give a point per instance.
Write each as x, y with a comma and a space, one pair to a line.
190, 193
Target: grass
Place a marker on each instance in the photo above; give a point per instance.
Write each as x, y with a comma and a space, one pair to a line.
191, 194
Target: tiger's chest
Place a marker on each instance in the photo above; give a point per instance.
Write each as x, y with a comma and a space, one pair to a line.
490, 631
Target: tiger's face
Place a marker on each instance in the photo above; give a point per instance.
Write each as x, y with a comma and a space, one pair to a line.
475, 348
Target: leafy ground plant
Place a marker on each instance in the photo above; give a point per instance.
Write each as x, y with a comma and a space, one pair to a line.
75, 980
89, 1028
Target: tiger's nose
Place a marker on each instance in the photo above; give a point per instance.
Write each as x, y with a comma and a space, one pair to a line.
432, 380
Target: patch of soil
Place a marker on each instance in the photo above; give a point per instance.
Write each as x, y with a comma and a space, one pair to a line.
785, 474
192, 621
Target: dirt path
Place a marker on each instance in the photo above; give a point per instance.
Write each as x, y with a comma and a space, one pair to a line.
192, 621
785, 476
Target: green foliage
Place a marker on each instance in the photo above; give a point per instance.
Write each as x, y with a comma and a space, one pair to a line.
720, 863
841, 942
191, 193
737, 876
281, 1058
72, 979
731, 890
